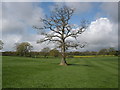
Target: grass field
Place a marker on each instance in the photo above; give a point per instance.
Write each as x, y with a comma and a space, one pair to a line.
24, 72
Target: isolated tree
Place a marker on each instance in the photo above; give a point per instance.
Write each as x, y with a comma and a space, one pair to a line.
45, 51
1, 44
23, 49
60, 30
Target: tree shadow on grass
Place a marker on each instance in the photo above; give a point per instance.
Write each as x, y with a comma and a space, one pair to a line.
86, 65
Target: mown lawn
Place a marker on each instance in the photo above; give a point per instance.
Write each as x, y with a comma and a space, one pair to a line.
24, 72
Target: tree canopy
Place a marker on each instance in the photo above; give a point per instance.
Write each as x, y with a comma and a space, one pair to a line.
23, 49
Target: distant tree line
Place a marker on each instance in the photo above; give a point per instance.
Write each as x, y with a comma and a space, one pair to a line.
109, 51
43, 53
25, 49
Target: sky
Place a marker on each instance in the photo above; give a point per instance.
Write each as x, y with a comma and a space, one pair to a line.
18, 19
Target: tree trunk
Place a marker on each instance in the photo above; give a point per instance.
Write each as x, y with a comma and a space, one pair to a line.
63, 61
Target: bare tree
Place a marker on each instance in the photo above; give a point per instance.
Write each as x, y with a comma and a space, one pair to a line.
58, 23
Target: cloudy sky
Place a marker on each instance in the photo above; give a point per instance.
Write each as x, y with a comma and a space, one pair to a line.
18, 19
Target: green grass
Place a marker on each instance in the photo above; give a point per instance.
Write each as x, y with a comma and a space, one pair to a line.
24, 72
0, 71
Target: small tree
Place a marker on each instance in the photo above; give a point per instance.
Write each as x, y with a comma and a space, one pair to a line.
103, 52
45, 51
58, 23
23, 49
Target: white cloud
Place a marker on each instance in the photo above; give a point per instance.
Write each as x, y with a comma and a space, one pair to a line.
9, 41
17, 21
101, 34
20, 17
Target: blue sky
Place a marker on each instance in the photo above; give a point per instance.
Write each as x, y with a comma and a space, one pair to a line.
89, 15
19, 18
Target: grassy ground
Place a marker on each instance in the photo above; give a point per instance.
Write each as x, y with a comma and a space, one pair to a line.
22, 72
0, 71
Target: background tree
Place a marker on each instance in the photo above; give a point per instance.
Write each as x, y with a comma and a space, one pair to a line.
54, 52
103, 52
23, 49
58, 23
1, 44
76, 53
111, 51
45, 51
